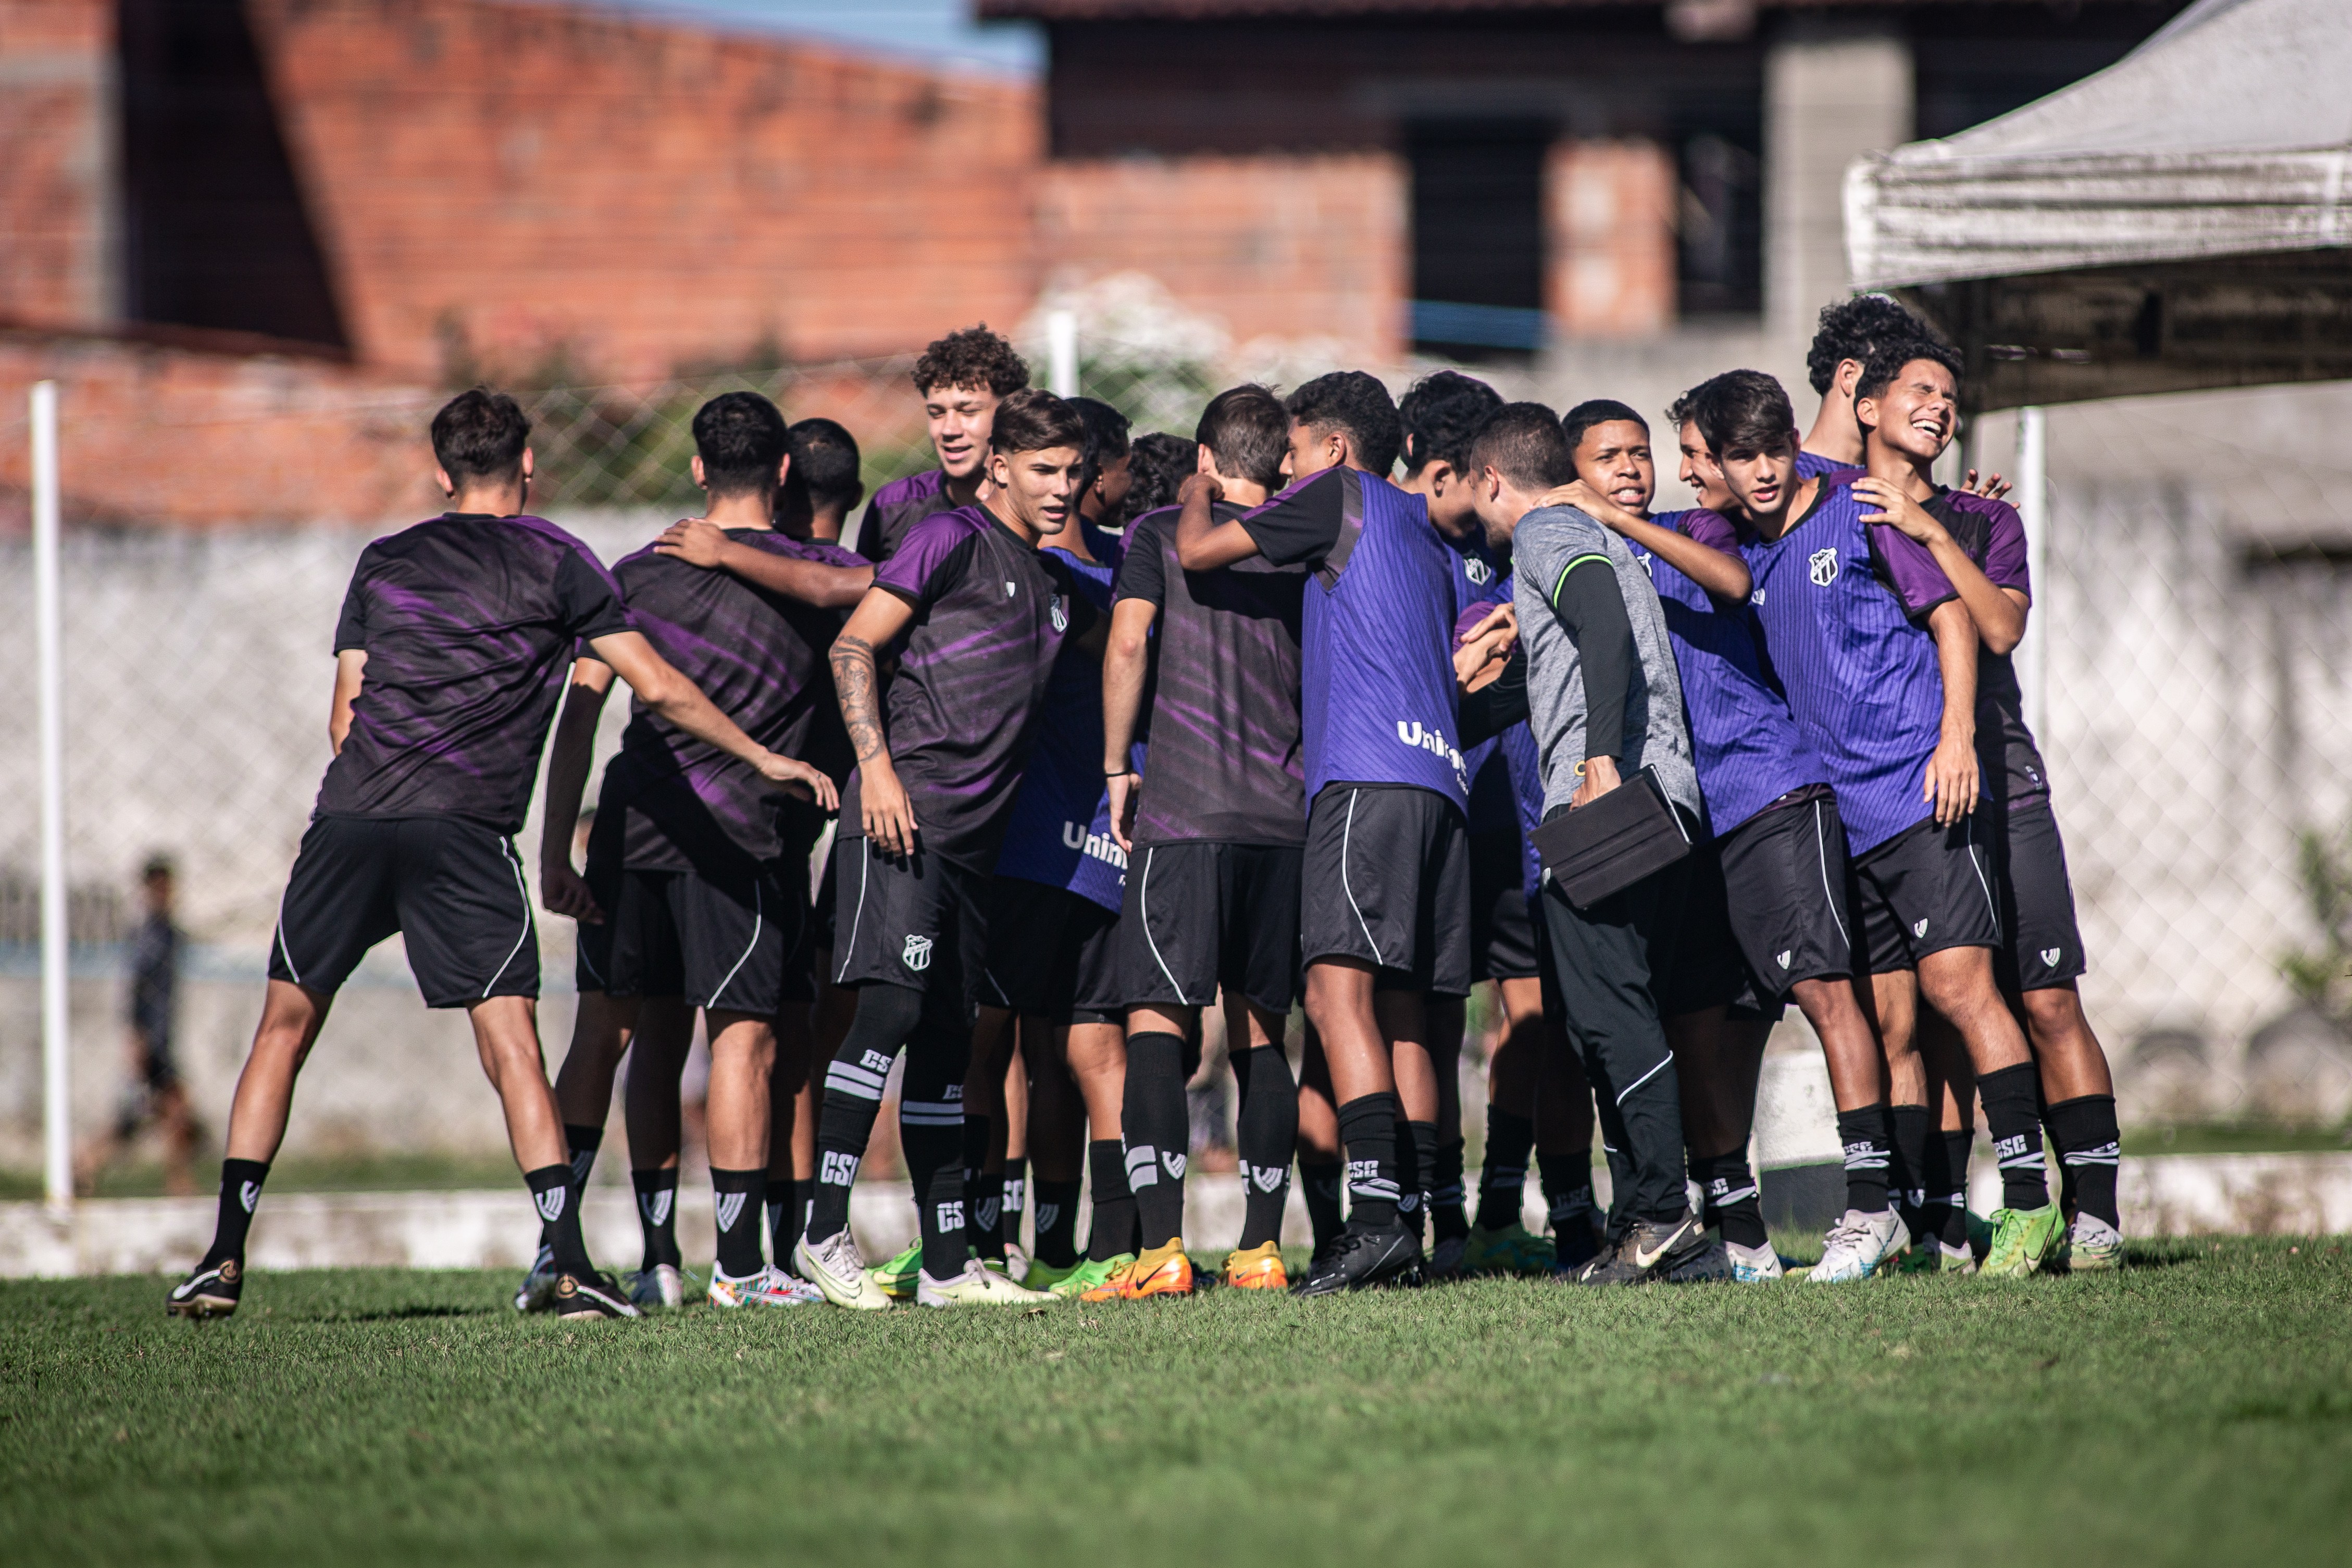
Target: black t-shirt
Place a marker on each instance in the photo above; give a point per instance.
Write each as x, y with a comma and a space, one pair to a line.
468, 623
1990, 535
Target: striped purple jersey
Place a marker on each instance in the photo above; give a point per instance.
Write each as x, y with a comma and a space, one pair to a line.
1378, 670
1227, 759
1993, 536
1861, 676
468, 623
1747, 746
1059, 832
1813, 466
760, 658
991, 612
897, 507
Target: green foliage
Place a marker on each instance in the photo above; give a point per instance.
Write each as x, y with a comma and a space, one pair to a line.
2322, 975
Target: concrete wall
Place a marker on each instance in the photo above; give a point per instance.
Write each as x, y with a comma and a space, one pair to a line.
1834, 89
1609, 217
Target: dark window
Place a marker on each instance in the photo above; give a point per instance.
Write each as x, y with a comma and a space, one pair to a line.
1477, 237
1720, 248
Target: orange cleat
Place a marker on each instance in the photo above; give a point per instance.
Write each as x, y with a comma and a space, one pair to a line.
1259, 1268
1161, 1271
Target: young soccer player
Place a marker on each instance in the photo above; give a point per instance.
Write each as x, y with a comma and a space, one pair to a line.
1904, 400
449, 659
1214, 830
1385, 880
962, 377
1158, 463
822, 486
697, 886
977, 613
1844, 336
1890, 706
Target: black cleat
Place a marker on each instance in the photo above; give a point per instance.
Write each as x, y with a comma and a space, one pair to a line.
590, 1295
1650, 1251
1710, 1262
1363, 1259
210, 1292
1573, 1251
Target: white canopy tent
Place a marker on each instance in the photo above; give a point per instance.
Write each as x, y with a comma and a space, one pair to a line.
2179, 220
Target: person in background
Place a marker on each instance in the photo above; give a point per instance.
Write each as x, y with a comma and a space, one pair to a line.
155, 1097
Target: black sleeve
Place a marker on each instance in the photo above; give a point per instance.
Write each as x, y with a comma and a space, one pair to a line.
1303, 525
1143, 574
1592, 606
350, 626
1497, 705
587, 599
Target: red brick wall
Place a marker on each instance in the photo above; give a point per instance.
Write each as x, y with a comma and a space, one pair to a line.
1609, 213
57, 164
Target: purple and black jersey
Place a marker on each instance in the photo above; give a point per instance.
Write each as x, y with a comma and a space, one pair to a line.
1990, 533
1378, 695
1813, 466
1227, 765
468, 623
897, 507
760, 658
1748, 748
1489, 807
959, 718
1059, 833
1861, 676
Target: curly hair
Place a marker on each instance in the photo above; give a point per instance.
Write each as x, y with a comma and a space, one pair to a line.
1887, 359
972, 357
1443, 413
1162, 461
1850, 329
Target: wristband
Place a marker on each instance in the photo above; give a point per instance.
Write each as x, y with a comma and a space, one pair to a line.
1116, 772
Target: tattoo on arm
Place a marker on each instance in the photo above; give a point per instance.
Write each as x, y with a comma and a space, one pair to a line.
853, 681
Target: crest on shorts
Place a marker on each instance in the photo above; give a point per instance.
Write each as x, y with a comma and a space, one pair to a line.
918, 955
1823, 563
1786, 954
2050, 955
1061, 614
1919, 929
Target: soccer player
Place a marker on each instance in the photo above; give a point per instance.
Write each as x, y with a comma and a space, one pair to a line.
698, 885
977, 613
1215, 831
1978, 545
821, 488
1890, 706
1844, 336
448, 660
156, 1094
962, 377
1385, 880
1157, 464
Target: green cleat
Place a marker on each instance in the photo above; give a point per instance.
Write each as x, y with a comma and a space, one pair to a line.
897, 1278
2021, 1239
1511, 1250
1044, 1276
1088, 1274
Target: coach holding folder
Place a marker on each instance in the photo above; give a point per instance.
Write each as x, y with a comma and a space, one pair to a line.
1606, 706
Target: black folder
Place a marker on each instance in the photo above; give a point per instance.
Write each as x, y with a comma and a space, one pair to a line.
1608, 846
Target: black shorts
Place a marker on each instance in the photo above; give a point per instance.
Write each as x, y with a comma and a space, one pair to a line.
2044, 946
1052, 954
915, 921
1199, 916
1702, 970
1387, 880
716, 943
1785, 881
1925, 889
1502, 934
453, 889
820, 914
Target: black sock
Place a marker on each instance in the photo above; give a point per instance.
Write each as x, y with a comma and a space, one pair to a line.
1447, 1214
1368, 1136
1057, 1223
1265, 1129
739, 1200
1862, 1135
584, 1142
1951, 1179
1159, 1130
787, 1208
1732, 1203
240, 1190
1566, 1182
1014, 1184
1320, 1186
887, 1015
1113, 1230
1910, 1127
2011, 1100
557, 1197
2089, 1146
983, 1190
657, 1215
1416, 1160
935, 1166
1502, 1180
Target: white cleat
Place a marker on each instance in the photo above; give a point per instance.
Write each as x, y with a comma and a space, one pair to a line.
1858, 1245
768, 1287
1754, 1264
660, 1286
977, 1286
837, 1269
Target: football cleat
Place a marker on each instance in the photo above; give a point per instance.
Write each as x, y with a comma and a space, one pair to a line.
2021, 1240
1363, 1260
2092, 1247
897, 1278
768, 1288
1754, 1264
1044, 1276
1512, 1249
1651, 1250
660, 1286
1014, 1265
1259, 1268
1859, 1246
1577, 1249
1089, 1273
212, 1292
834, 1266
1709, 1264
589, 1295
1445, 1257
531, 1295
977, 1286
1158, 1271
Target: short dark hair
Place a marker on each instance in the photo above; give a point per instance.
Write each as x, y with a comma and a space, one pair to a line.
825, 461
1162, 461
1442, 414
1596, 411
1357, 405
1850, 329
1106, 439
1680, 411
1887, 359
1034, 419
480, 434
1743, 411
972, 357
1246, 431
739, 437
157, 864
1524, 443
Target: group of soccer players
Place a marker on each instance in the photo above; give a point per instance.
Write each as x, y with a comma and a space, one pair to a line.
1289, 736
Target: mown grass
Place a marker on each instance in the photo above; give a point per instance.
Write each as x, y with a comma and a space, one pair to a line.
2194, 1408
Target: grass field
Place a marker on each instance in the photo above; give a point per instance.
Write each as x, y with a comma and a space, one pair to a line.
2196, 1408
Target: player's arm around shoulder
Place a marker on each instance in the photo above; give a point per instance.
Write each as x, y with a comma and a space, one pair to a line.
661, 688
881, 619
561, 889
793, 571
